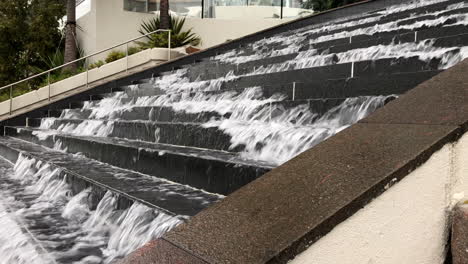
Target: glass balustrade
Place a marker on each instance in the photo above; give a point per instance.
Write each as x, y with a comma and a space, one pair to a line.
226, 9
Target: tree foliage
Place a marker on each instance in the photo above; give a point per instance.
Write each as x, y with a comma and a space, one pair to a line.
322, 5
29, 32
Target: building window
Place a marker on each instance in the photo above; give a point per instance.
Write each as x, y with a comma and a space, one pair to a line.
153, 5
141, 5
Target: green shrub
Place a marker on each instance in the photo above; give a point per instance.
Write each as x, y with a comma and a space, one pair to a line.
18, 90
115, 55
59, 76
97, 64
133, 50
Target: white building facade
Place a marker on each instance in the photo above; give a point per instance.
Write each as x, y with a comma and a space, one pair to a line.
104, 23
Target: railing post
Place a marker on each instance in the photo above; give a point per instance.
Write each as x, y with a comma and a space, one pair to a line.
87, 72
48, 84
169, 47
126, 55
281, 15
11, 99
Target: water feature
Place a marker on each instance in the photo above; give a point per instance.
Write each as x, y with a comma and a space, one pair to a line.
44, 221
167, 140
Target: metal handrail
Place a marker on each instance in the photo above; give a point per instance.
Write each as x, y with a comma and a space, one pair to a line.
87, 64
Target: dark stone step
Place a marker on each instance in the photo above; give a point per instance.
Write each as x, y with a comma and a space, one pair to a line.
398, 83
370, 69
335, 77
384, 67
456, 40
180, 134
170, 197
331, 79
214, 171
142, 89
150, 113
283, 77
217, 70
387, 38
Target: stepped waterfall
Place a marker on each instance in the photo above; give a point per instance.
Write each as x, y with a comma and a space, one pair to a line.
92, 182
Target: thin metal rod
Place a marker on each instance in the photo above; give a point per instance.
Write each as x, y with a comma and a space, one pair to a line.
11, 99
282, 3
169, 47
87, 73
48, 84
86, 57
126, 55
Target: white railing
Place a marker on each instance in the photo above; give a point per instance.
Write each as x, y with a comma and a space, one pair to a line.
86, 59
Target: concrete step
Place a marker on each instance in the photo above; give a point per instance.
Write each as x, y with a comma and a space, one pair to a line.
214, 171
370, 69
398, 83
180, 134
400, 36
150, 113
458, 37
172, 198
381, 77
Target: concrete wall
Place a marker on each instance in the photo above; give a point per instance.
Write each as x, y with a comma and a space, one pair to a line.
409, 223
108, 24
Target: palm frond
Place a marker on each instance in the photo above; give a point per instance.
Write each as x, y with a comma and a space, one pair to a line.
178, 36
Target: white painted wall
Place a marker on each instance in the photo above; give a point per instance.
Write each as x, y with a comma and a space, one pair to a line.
214, 31
83, 8
406, 224
86, 31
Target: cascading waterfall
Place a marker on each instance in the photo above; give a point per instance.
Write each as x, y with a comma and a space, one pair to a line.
427, 52
44, 220
279, 138
250, 121
37, 199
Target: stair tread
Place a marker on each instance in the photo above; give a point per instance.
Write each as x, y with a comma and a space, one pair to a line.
209, 154
171, 197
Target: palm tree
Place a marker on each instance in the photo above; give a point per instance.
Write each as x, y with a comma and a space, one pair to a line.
70, 33
164, 14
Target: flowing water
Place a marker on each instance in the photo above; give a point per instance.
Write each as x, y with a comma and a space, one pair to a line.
43, 219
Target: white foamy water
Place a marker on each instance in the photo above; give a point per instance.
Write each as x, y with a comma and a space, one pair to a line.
97, 128
292, 39
42, 221
278, 138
